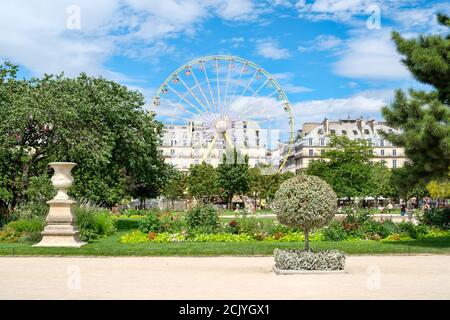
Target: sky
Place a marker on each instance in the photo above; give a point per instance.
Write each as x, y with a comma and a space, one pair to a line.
333, 58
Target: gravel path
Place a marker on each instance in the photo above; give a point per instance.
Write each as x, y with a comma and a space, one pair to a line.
368, 277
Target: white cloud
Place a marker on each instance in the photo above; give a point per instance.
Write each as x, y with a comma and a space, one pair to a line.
371, 57
367, 104
322, 42
270, 49
35, 33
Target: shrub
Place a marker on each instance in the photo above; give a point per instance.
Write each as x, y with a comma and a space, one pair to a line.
22, 231
232, 227
31, 210
411, 230
171, 222
202, 219
150, 223
20, 226
127, 224
250, 225
334, 232
94, 224
436, 234
355, 219
308, 260
9, 235
305, 201
437, 217
374, 230
134, 237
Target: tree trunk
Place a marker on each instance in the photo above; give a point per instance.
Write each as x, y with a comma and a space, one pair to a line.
306, 239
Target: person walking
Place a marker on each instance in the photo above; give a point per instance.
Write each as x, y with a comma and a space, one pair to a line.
402, 209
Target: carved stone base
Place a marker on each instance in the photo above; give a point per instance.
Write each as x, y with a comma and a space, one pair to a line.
60, 230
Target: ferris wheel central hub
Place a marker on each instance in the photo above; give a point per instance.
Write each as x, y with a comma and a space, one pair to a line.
221, 126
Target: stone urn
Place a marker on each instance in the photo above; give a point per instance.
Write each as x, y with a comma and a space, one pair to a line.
60, 229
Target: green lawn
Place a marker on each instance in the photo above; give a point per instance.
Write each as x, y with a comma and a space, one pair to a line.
112, 247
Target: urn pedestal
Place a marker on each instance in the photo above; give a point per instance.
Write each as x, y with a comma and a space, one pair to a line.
60, 229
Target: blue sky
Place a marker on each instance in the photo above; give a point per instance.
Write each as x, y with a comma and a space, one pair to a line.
330, 57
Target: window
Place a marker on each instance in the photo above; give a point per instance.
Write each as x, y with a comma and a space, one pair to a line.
383, 162
344, 132
311, 152
355, 132
310, 141
369, 142
320, 131
322, 142
333, 131
366, 131
394, 152
394, 163
172, 152
382, 152
381, 143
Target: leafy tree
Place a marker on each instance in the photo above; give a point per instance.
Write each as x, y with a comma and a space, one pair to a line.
175, 186
345, 166
96, 123
424, 117
202, 182
233, 177
382, 182
306, 202
264, 186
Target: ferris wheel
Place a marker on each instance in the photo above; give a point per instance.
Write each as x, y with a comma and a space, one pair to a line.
235, 103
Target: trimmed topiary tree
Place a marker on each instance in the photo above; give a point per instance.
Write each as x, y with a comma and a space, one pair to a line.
306, 202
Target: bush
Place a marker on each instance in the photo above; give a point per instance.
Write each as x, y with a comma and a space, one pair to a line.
29, 226
94, 224
171, 222
150, 223
411, 230
139, 212
127, 224
22, 231
437, 217
309, 260
355, 219
31, 210
306, 202
232, 227
204, 219
334, 232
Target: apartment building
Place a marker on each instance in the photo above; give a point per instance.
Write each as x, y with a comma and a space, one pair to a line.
190, 144
313, 138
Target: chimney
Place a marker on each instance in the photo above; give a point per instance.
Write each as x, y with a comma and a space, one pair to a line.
325, 126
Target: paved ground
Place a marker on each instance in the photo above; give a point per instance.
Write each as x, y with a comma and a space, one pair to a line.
369, 277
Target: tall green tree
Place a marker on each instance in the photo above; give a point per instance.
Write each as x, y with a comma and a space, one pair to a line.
175, 187
345, 165
424, 117
99, 124
203, 182
233, 177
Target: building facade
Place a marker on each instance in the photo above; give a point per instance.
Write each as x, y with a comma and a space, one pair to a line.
314, 138
193, 143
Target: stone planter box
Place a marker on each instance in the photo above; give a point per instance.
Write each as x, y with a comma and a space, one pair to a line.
292, 272
308, 262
